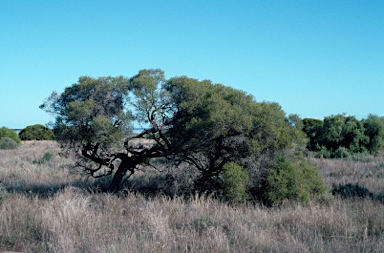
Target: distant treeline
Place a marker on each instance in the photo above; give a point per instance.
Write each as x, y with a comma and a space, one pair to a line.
336, 136
339, 136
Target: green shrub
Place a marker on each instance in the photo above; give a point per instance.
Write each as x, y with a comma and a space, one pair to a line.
341, 152
8, 143
36, 132
235, 180
6, 132
45, 158
298, 181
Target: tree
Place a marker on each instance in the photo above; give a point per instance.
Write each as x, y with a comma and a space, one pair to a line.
374, 129
344, 131
219, 124
36, 132
313, 129
6, 132
206, 125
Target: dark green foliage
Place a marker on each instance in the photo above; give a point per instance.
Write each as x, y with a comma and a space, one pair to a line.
6, 132
340, 136
36, 132
215, 125
352, 191
344, 131
235, 180
313, 128
293, 180
8, 143
374, 129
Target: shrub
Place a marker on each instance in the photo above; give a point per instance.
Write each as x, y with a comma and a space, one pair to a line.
341, 152
36, 132
8, 143
298, 181
235, 180
6, 132
45, 158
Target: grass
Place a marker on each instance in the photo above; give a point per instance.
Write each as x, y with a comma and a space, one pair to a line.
45, 207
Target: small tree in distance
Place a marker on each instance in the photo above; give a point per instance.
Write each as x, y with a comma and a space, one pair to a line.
188, 121
36, 132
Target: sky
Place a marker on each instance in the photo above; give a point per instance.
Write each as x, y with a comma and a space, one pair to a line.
315, 58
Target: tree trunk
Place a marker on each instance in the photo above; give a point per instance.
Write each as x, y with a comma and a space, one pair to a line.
128, 163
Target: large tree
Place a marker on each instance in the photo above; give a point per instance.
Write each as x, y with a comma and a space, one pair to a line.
204, 124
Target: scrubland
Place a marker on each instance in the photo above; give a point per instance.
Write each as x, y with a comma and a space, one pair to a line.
46, 207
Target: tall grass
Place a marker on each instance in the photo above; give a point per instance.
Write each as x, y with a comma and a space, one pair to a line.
73, 219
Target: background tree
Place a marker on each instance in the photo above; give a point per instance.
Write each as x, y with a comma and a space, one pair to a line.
313, 129
36, 132
374, 129
188, 121
341, 131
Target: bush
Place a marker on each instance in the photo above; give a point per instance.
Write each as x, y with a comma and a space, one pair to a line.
341, 152
45, 158
6, 132
36, 132
8, 143
298, 181
235, 180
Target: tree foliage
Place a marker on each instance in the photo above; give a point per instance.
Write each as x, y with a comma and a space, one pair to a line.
341, 135
188, 121
36, 132
374, 130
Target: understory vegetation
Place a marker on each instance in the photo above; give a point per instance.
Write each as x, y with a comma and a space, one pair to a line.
46, 207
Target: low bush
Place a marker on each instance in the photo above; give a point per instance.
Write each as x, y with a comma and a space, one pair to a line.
6, 132
8, 143
299, 181
235, 180
45, 158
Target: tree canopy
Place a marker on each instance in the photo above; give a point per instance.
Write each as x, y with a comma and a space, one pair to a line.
188, 121
340, 135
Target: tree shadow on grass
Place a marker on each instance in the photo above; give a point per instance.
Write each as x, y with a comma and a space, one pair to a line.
48, 190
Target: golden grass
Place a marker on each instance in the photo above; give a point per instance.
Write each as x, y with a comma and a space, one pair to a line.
72, 219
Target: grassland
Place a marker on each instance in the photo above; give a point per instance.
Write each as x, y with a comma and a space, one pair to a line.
46, 207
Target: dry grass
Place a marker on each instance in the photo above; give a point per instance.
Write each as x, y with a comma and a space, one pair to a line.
71, 219
369, 174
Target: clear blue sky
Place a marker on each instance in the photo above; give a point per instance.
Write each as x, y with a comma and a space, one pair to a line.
315, 58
